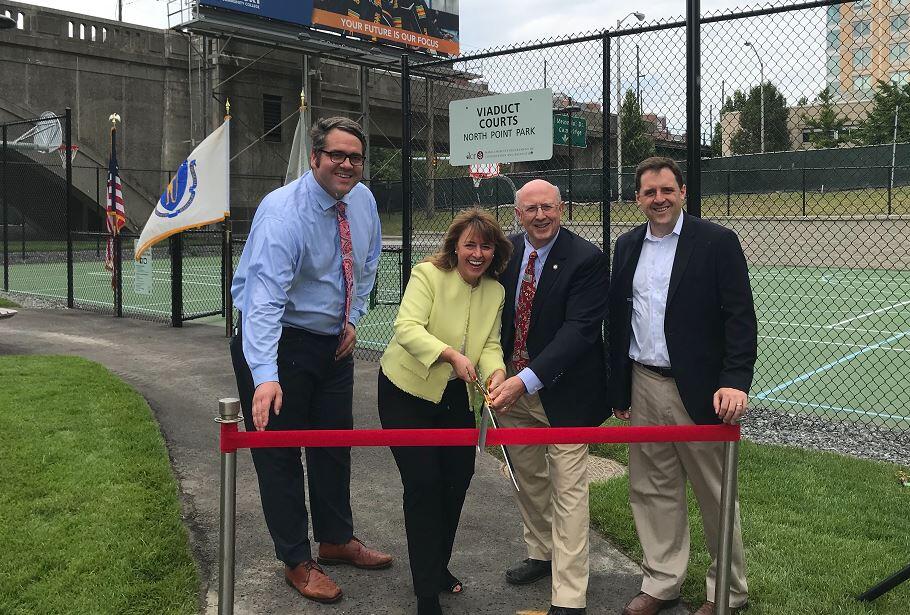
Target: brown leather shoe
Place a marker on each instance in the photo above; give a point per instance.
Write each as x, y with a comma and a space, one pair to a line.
645, 604
708, 609
312, 582
354, 553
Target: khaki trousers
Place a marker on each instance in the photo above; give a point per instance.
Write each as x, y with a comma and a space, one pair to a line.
553, 502
657, 492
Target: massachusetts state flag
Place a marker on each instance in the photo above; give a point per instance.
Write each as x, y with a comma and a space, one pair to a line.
116, 214
197, 194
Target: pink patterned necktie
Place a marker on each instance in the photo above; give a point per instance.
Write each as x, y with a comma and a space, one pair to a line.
347, 260
520, 357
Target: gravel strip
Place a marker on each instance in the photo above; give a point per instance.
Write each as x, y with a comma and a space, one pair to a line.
818, 433
34, 302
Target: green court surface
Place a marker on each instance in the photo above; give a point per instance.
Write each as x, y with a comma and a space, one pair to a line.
832, 342
92, 285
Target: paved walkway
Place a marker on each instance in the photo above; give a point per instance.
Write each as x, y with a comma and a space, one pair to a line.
183, 372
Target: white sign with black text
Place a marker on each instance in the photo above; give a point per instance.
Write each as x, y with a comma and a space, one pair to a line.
142, 272
504, 128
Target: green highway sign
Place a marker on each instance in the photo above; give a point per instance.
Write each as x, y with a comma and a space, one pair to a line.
561, 130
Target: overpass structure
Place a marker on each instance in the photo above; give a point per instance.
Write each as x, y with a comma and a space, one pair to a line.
169, 86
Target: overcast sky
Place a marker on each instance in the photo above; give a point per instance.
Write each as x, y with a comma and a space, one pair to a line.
483, 23
792, 47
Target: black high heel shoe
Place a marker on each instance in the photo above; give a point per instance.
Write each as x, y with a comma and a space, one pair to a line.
428, 605
451, 584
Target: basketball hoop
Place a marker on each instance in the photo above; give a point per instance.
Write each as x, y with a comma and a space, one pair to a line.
44, 137
61, 151
483, 171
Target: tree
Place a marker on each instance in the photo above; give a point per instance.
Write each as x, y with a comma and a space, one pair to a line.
637, 142
385, 163
826, 126
747, 139
878, 126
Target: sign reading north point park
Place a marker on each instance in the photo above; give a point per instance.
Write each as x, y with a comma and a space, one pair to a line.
504, 128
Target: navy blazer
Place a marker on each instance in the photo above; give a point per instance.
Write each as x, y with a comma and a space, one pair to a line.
565, 335
710, 325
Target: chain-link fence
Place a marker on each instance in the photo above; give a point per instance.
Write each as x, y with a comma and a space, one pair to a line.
806, 119
804, 141
33, 197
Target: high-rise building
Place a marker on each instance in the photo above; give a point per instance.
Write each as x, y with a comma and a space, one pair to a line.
867, 41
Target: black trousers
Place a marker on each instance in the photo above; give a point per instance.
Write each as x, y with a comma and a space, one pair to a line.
317, 393
435, 478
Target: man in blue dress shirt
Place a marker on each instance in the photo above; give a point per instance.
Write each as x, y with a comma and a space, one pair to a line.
301, 287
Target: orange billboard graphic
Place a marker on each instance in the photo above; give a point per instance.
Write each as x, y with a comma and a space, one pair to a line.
414, 24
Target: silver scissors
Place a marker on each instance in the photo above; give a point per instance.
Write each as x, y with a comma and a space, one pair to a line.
487, 418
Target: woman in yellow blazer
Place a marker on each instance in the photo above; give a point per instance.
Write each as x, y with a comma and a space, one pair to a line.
447, 324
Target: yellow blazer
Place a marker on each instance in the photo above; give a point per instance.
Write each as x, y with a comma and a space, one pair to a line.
439, 310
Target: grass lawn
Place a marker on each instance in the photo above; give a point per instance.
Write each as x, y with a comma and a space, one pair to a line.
818, 529
91, 517
6, 303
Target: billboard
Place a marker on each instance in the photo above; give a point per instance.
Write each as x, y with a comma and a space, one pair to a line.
294, 11
422, 25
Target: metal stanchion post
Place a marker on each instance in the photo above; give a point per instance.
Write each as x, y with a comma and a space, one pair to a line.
727, 510
229, 412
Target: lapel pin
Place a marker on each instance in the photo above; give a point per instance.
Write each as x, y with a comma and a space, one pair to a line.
555, 266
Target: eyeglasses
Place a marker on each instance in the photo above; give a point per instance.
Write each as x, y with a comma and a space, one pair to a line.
531, 210
357, 160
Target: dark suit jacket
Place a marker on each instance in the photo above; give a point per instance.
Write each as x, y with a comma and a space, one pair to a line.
709, 324
565, 335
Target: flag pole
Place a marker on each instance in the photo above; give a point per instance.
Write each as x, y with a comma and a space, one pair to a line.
227, 252
114, 246
117, 280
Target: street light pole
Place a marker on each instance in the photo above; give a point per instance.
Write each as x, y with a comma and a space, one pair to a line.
569, 110
639, 16
761, 91
638, 79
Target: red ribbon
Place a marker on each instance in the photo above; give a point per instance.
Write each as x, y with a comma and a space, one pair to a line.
232, 439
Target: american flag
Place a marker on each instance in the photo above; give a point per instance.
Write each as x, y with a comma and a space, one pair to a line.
116, 215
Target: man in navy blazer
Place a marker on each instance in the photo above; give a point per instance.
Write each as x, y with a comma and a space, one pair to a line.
683, 344
557, 377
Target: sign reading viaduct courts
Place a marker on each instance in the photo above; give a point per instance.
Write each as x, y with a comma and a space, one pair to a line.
503, 128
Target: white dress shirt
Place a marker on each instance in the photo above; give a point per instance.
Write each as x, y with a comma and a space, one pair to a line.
649, 297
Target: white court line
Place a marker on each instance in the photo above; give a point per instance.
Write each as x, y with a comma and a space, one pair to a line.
828, 366
808, 326
838, 408
45, 292
829, 280
864, 315
791, 310
841, 344
167, 279
375, 324
829, 297
845, 283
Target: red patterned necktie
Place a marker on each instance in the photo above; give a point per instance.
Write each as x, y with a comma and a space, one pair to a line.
520, 356
347, 260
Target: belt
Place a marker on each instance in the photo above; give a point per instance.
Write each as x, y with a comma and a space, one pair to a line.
666, 372
292, 333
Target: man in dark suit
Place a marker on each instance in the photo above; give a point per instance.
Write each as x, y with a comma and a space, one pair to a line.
683, 339
556, 300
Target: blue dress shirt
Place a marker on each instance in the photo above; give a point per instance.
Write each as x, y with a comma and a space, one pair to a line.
527, 375
290, 270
